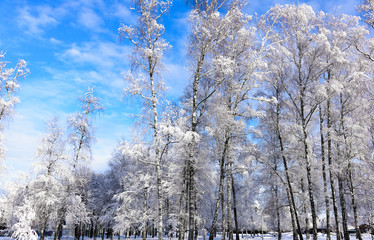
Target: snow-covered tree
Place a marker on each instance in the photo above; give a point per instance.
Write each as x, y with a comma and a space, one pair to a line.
302, 49
81, 129
47, 188
135, 203
366, 9
26, 215
9, 86
238, 62
148, 51
81, 137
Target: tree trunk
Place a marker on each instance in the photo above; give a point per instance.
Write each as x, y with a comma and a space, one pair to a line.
229, 201
153, 231
42, 233
145, 208
56, 231
160, 199
292, 214
343, 209
160, 203
354, 204
349, 169
77, 232
308, 172
191, 148
220, 191
196, 233
91, 229
288, 179
223, 211
95, 232
324, 175
191, 192
329, 158
305, 209
182, 217
235, 210
277, 208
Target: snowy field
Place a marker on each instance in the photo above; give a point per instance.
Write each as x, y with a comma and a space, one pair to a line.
285, 236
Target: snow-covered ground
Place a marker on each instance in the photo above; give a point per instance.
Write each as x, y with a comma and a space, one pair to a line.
285, 236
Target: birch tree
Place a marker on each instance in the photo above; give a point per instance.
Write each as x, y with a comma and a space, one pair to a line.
148, 50
304, 50
209, 29
366, 10
135, 207
274, 123
237, 63
81, 138
47, 185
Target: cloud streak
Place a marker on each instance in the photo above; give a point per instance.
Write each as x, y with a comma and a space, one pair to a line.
35, 22
98, 54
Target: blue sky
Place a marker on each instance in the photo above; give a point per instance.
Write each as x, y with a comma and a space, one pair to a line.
70, 45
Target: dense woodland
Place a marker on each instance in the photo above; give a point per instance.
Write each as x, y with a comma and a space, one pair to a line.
274, 132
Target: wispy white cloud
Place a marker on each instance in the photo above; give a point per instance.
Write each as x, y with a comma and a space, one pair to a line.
89, 19
35, 20
91, 3
55, 41
100, 54
121, 11
20, 139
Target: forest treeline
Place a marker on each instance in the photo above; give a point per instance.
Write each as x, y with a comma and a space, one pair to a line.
275, 131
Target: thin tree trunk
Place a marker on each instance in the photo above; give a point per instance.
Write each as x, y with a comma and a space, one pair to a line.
292, 214
223, 217
331, 176
196, 233
235, 210
191, 192
191, 154
56, 231
42, 233
354, 204
95, 232
229, 202
167, 208
309, 174
220, 191
187, 196
145, 208
305, 209
277, 206
324, 175
160, 199
349, 170
343, 208
288, 179
182, 217
160, 203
